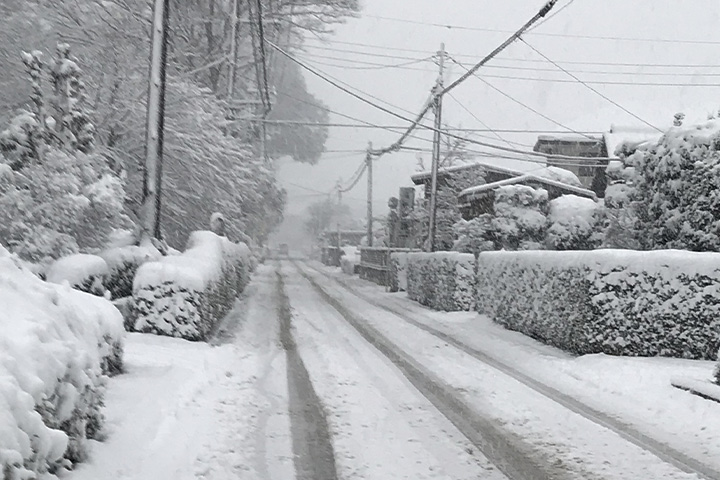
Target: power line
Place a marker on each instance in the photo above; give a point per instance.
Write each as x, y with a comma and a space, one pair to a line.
510, 97
366, 65
499, 57
480, 121
548, 34
400, 127
591, 88
326, 78
515, 36
602, 82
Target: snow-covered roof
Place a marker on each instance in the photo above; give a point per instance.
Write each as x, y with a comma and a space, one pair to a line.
513, 168
569, 137
619, 135
487, 187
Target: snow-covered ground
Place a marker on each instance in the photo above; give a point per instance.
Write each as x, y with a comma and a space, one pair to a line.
194, 411
636, 391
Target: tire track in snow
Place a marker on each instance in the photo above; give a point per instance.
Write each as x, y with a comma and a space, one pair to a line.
312, 446
663, 451
502, 448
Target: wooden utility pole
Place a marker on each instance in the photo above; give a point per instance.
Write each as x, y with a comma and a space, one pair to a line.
339, 200
152, 175
232, 61
368, 162
437, 104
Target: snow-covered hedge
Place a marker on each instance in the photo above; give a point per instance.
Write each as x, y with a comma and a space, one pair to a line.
83, 272
620, 302
122, 264
185, 295
56, 348
441, 280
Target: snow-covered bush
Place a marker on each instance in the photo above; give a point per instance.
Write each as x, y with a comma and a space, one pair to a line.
678, 180
573, 224
441, 280
56, 349
619, 302
123, 263
186, 295
520, 217
474, 236
87, 273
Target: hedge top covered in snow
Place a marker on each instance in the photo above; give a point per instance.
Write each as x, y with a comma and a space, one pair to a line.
75, 269
198, 266
605, 260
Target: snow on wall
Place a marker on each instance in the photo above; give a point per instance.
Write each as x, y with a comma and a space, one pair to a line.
81, 271
441, 280
56, 348
185, 295
620, 302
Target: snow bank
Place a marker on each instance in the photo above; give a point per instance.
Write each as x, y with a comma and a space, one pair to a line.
441, 280
83, 272
619, 302
350, 260
185, 295
123, 263
56, 348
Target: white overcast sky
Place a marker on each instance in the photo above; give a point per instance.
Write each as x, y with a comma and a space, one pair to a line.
688, 30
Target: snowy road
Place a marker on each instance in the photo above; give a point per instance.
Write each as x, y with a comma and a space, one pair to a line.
308, 380
522, 426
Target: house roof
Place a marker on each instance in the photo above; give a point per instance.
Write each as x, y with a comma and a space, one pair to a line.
513, 168
474, 192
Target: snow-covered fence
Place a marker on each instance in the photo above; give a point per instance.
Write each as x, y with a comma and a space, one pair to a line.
619, 302
122, 264
441, 280
56, 348
185, 295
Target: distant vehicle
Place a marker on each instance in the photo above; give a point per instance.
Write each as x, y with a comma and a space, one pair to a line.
283, 249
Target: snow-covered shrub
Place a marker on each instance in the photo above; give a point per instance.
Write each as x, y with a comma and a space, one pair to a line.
186, 295
619, 302
678, 180
441, 280
87, 273
520, 217
56, 349
474, 236
123, 263
574, 224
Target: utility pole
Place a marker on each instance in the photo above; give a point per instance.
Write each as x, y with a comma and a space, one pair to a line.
152, 175
368, 162
437, 104
233, 50
339, 200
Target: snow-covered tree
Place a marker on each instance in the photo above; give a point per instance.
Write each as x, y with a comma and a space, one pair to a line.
474, 236
62, 197
678, 189
520, 217
573, 224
